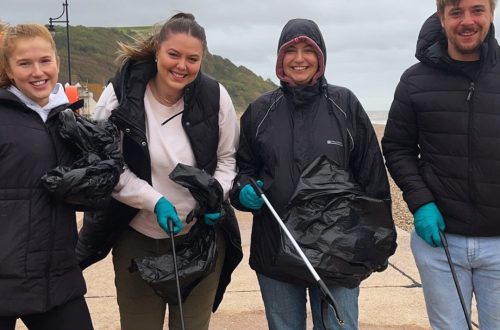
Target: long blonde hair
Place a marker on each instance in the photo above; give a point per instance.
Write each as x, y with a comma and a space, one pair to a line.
143, 47
3, 26
8, 42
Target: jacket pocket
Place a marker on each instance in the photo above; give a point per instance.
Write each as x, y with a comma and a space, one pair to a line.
14, 224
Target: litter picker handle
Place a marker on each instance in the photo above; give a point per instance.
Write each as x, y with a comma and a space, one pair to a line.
170, 223
256, 187
285, 229
455, 279
443, 239
326, 293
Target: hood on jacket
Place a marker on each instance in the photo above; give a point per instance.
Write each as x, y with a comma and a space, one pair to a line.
301, 30
432, 43
56, 98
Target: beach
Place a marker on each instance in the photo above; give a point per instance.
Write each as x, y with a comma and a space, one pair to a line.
392, 299
402, 216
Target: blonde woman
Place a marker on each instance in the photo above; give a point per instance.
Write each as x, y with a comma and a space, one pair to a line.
40, 281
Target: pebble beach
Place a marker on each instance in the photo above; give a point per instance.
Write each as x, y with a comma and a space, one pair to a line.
402, 217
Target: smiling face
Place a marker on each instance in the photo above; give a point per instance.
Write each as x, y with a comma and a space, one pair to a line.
178, 62
466, 26
300, 63
33, 68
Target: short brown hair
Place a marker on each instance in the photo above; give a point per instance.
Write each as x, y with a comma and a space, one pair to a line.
10, 36
440, 4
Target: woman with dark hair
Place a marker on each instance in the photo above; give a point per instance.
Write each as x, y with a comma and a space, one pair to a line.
169, 113
283, 133
40, 281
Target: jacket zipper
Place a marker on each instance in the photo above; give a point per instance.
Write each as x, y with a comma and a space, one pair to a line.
471, 91
470, 96
52, 226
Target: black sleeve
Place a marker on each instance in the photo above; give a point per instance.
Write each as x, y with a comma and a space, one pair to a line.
248, 160
401, 150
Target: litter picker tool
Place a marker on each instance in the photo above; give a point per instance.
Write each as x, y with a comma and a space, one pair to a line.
326, 294
174, 256
455, 279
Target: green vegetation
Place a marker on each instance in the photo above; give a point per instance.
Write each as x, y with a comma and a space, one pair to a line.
93, 53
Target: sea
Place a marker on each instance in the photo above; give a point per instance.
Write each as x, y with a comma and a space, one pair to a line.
378, 117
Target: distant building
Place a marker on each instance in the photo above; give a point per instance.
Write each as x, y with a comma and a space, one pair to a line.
96, 89
88, 100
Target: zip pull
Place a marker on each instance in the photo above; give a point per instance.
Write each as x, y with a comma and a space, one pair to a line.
471, 91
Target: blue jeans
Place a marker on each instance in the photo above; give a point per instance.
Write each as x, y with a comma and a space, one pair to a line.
477, 264
285, 305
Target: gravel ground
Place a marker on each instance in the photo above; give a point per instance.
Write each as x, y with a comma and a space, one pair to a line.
402, 216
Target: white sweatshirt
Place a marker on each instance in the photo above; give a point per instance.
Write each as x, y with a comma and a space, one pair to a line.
169, 145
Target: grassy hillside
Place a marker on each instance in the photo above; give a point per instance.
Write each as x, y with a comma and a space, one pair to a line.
93, 51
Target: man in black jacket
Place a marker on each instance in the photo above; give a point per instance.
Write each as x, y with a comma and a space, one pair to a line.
442, 147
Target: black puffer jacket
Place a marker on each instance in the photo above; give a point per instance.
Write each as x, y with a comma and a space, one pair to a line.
38, 268
283, 131
442, 139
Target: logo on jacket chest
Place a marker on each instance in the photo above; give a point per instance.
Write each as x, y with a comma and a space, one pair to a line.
334, 142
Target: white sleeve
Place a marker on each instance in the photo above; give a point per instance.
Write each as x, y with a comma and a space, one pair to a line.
135, 192
107, 102
130, 189
228, 142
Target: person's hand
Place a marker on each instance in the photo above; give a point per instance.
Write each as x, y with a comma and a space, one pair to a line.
212, 218
428, 223
164, 210
248, 196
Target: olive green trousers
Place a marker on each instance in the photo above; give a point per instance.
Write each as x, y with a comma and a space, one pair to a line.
140, 307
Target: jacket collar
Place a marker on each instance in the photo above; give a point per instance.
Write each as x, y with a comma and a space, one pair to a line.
302, 96
58, 104
132, 81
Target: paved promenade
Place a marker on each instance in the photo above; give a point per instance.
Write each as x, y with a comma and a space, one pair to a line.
389, 300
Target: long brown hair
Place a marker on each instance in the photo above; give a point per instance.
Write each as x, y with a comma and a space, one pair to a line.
143, 47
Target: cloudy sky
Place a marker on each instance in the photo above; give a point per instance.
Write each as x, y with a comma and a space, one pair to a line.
370, 43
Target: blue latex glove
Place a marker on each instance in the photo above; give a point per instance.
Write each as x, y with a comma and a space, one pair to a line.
428, 223
211, 218
248, 196
165, 210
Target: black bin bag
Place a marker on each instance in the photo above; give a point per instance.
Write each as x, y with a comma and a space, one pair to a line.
89, 181
197, 252
345, 234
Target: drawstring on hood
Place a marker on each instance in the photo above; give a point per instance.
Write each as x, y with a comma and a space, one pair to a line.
301, 30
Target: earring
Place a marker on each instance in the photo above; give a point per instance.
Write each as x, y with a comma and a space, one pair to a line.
156, 60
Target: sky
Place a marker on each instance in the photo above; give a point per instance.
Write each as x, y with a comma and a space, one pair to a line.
369, 42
